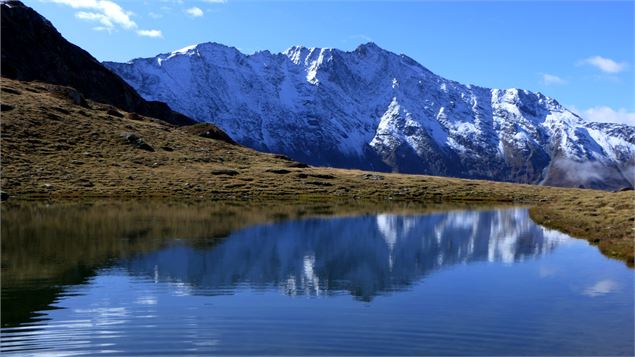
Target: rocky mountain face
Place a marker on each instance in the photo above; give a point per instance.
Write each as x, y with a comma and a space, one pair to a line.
33, 50
373, 109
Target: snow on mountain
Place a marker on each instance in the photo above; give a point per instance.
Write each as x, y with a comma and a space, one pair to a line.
373, 109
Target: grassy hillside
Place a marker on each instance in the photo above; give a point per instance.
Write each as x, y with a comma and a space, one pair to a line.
56, 146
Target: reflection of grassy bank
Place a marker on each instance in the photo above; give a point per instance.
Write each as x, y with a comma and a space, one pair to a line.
54, 149
46, 247
40, 240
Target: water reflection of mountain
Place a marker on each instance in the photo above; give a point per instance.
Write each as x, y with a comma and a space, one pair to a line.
366, 255
48, 248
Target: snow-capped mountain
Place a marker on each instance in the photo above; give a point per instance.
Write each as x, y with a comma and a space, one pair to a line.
373, 109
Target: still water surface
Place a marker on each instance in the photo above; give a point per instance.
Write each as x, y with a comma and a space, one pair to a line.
467, 282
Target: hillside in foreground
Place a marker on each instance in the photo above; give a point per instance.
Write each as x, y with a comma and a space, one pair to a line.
33, 50
56, 147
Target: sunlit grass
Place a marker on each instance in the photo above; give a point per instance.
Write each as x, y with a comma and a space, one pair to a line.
53, 149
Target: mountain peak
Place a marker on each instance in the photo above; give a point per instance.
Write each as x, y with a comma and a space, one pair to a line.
300, 48
196, 49
337, 108
12, 3
184, 50
370, 45
370, 48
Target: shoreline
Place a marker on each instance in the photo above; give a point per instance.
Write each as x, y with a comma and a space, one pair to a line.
573, 216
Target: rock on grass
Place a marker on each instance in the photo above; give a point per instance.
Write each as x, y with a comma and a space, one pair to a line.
228, 172
136, 141
208, 131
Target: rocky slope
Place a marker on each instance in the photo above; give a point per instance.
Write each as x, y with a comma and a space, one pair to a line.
53, 148
32, 49
373, 109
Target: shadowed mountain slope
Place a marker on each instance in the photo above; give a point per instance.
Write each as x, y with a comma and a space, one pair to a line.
33, 50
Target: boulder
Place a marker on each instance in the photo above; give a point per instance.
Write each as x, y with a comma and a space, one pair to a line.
134, 140
208, 131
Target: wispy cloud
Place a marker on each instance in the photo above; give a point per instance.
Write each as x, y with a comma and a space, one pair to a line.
215, 1
605, 114
108, 14
604, 64
155, 15
546, 272
552, 79
150, 33
194, 11
361, 38
102, 28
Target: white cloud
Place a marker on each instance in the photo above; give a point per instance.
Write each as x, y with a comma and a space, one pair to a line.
552, 79
150, 33
215, 1
604, 64
93, 16
117, 14
107, 13
77, 4
605, 114
194, 11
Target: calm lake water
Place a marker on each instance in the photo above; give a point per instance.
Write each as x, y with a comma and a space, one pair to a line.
134, 279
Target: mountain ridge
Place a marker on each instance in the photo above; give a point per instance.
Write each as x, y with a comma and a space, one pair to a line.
373, 109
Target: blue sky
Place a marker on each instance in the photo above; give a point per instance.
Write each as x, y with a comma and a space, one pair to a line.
579, 52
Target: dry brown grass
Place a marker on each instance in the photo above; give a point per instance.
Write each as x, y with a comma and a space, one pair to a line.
605, 220
44, 241
54, 149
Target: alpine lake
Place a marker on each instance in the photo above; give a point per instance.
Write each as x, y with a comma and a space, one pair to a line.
129, 278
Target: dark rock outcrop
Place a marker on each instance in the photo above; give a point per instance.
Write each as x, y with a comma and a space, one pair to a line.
33, 50
208, 131
136, 141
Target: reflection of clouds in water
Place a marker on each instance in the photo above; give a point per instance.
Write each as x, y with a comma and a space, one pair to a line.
600, 288
105, 316
546, 272
146, 300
